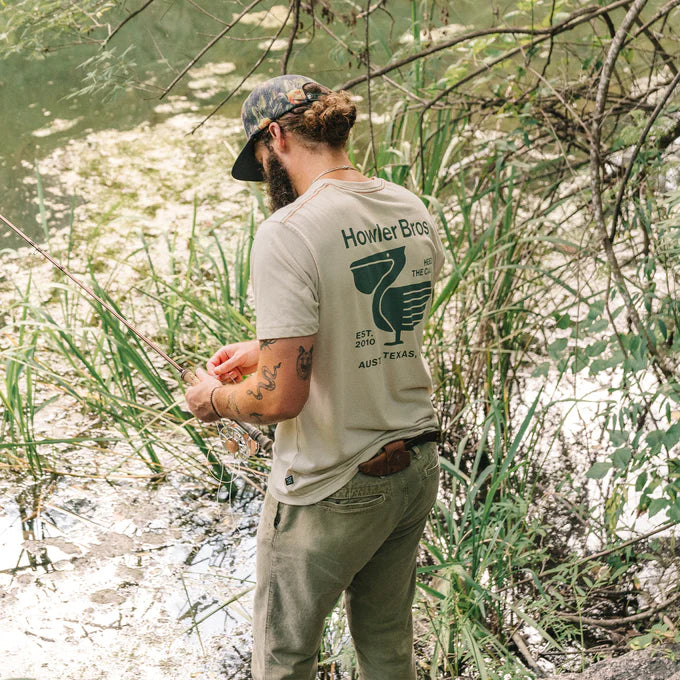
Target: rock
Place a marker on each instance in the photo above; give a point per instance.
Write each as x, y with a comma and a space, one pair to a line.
653, 663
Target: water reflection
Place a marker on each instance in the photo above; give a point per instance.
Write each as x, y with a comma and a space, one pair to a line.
26, 523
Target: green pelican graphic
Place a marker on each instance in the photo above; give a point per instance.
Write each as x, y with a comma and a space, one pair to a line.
395, 309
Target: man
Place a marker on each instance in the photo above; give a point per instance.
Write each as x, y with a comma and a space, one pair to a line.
342, 273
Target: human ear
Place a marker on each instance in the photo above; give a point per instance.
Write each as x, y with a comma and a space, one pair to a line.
277, 136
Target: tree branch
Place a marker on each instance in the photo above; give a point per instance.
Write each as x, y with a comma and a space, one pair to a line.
367, 51
578, 17
351, 52
636, 151
127, 18
263, 56
291, 38
596, 184
622, 621
209, 46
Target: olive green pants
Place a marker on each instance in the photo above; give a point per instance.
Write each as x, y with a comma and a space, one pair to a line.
363, 541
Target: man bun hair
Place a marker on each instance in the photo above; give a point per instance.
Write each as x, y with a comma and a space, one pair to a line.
328, 120
332, 117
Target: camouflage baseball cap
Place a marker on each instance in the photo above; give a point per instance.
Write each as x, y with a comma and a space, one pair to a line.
267, 102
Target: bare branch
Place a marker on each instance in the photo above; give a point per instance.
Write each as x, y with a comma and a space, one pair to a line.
208, 14
578, 17
663, 12
254, 68
370, 10
293, 33
367, 51
127, 18
644, 28
359, 57
596, 184
209, 46
623, 621
629, 170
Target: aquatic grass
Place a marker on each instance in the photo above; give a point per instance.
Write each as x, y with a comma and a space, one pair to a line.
115, 365
112, 374
212, 296
18, 392
478, 539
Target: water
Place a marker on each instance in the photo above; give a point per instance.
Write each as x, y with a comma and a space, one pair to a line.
37, 116
119, 579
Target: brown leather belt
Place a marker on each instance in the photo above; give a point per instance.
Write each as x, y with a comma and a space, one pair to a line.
395, 456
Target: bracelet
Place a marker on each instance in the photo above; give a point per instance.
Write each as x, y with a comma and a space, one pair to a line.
212, 403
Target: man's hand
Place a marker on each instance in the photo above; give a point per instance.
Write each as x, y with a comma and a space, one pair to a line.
198, 397
276, 389
232, 362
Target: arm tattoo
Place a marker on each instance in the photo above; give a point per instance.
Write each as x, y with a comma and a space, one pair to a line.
266, 344
256, 416
303, 365
268, 383
232, 405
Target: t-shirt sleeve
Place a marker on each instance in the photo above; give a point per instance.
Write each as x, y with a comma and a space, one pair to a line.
438, 250
285, 283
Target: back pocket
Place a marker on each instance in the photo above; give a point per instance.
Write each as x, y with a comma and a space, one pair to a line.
353, 504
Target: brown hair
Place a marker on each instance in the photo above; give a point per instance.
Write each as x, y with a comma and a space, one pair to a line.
327, 120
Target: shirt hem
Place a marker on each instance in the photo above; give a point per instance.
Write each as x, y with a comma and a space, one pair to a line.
341, 480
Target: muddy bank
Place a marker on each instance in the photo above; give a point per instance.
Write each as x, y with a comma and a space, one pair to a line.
655, 663
124, 579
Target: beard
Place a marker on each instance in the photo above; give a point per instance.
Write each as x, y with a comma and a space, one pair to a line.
279, 187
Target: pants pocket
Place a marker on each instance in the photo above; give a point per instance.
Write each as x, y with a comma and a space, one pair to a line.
428, 456
344, 504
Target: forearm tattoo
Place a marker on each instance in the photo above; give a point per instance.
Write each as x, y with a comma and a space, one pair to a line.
266, 344
303, 365
268, 384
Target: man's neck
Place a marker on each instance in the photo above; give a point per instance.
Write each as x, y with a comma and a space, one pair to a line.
307, 165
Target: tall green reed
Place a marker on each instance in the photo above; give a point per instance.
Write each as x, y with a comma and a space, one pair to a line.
199, 298
479, 539
18, 393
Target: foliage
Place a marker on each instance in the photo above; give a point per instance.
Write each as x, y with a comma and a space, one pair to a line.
40, 27
544, 144
111, 375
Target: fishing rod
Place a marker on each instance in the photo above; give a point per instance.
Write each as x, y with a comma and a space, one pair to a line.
186, 374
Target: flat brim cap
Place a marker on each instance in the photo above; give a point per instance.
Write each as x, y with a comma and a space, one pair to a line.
267, 102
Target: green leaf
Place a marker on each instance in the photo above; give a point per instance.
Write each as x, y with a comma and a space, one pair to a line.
642, 641
596, 348
672, 436
555, 349
596, 310
657, 505
541, 370
599, 326
618, 437
598, 470
580, 360
621, 457
654, 439
563, 321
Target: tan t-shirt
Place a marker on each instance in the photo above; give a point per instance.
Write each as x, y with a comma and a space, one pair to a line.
353, 262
